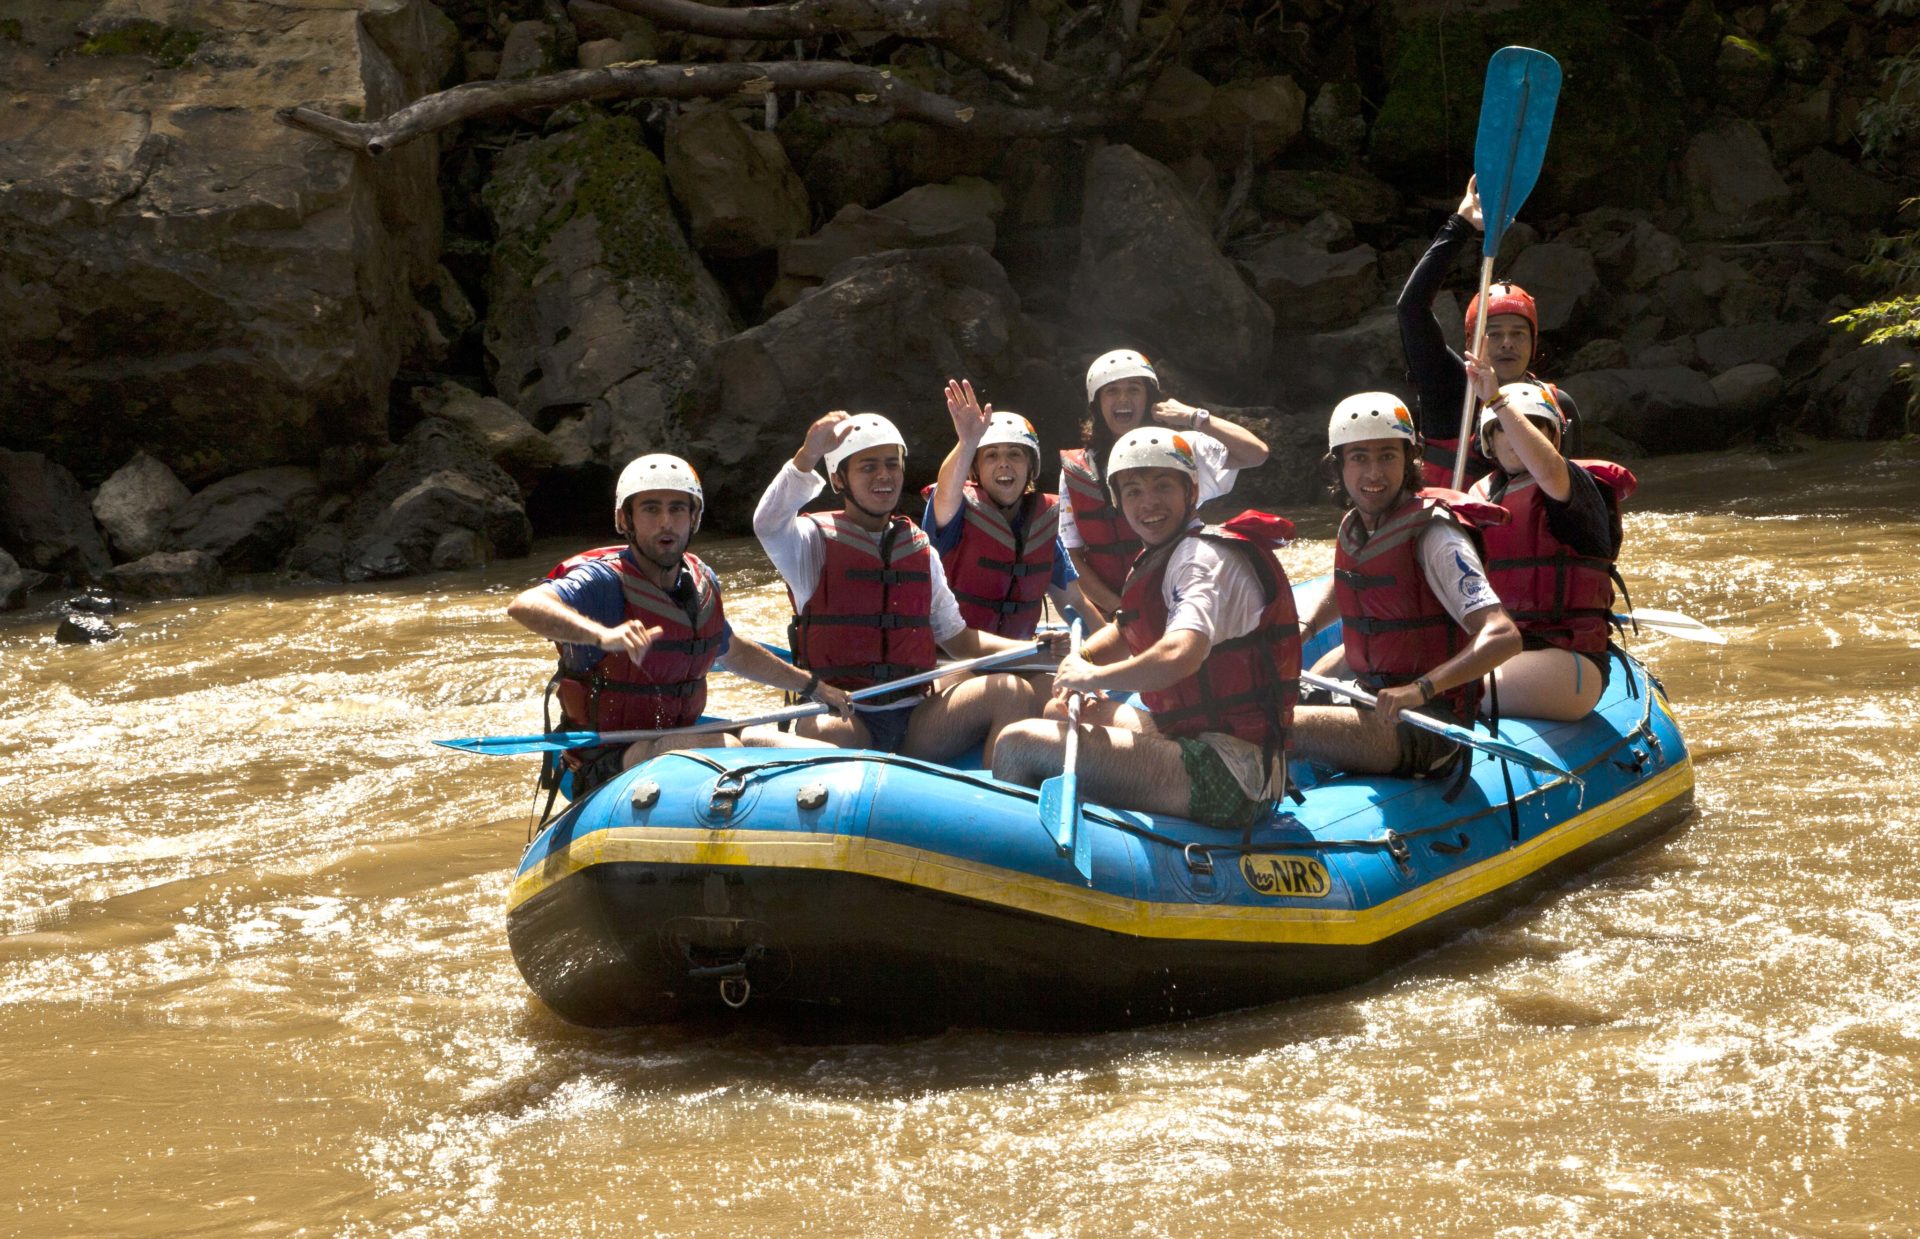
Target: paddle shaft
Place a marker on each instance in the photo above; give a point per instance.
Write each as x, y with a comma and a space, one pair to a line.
1426, 722
1467, 402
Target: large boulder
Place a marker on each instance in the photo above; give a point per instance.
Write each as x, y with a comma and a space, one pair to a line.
441, 479
1313, 372
1175, 118
1839, 187
1724, 348
1731, 183
1150, 272
1863, 393
1255, 120
247, 521
13, 583
44, 518
598, 307
1312, 286
169, 574
513, 442
959, 213
1303, 193
135, 504
173, 254
740, 193
884, 334
1661, 409
1562, 279
1748, 390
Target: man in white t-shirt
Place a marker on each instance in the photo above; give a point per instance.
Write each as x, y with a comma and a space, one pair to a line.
1420, 624
1123, 394
1205, 634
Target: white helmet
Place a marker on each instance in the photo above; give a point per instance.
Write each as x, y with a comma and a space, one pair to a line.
1150, 447
867, 430
659, 471
1015, 429
1531, 401
1370, 415
1122, 363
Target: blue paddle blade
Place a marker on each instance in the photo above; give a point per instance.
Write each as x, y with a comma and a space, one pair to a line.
552, 742
1516, 116
1501, 748
1060, 812
1082, 841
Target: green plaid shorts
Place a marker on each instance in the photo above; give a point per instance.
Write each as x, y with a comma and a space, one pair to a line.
1215, 798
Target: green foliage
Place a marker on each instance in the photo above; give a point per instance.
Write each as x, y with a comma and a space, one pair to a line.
12, 31
170, 47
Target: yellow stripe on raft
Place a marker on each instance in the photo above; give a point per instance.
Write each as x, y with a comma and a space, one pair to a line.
1095, 909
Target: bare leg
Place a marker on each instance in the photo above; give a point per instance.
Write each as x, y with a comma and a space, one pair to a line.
833, 731
1558, 685
976, 710
641, 750
769, 736
1346, 738
1117, 766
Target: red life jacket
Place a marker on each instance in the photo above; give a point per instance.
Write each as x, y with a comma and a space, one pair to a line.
1395, 628
870, 616
1000, 574
1553, 594
1248, 684
1436, 455
668, 688
1109, 542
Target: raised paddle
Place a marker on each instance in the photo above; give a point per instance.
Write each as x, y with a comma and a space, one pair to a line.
1060, 795
1516, 115
1673, 624
1452, 731
561, 741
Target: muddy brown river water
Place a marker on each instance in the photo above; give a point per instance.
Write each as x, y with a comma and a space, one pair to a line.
254, 976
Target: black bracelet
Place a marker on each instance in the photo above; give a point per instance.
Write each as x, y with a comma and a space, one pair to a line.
1426, 689
813, 682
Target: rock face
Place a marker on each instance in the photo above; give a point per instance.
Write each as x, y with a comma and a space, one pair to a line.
1671, 406
134, 505
174, 255
740, 193
248, 521
170, 574
883, 335
1731, 181
1316, 278
599, 311
510, 439
44, 519
13, 583
440, 481
960, 213
1150, 272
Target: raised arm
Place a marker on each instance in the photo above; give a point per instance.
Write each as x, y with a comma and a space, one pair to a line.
1245, 449
970, 420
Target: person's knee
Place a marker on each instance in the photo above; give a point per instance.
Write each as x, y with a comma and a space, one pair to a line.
1021, 748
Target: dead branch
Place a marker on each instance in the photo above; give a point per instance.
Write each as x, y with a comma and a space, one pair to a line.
949, 24
881, 94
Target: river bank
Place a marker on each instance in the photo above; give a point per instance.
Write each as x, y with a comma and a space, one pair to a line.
256, 976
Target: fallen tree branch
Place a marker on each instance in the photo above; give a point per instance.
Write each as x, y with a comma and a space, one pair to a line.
887, 96
949, 24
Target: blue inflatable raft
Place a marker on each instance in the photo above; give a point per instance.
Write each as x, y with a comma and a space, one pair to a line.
850, 886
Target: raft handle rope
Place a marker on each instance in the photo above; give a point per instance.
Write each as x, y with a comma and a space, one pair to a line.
1191, 848
1199, 859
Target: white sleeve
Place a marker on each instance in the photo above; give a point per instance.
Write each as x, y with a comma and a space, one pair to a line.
1069, 529
1454, 571
1211, 591
1211, 456
948, 623
791, 542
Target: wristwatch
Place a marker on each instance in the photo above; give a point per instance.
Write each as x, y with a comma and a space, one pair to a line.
813, 686
1198, 419
1426, 689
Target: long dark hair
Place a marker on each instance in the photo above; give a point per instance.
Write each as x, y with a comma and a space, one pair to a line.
1098, 439
1412, 477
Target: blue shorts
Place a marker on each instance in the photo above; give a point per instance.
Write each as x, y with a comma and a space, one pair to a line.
887, 729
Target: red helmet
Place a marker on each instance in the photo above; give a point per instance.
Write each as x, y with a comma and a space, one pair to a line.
1505, 299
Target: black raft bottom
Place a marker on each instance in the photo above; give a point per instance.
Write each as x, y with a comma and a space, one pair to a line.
631, 943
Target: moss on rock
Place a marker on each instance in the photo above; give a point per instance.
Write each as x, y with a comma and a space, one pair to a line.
170, 47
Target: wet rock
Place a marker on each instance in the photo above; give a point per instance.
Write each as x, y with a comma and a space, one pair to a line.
1745, 71
960, 213
597, 302
170, 574
1666, 409
1149, 271
1731, 183
320, 554
1562, 279
1684, 306
441, 479
1305, 193
510, 440
741, 194
1311, 288
1839, 187
93, 602
134, 505
1296, 440
1748, 390
247, 521
1337, 120
461, 548
529, 50
174, 255
44, 518
1255, 119
844, 166
1174, 118
1862, 394
1724, 348
884, 333
84, 629
13, 583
